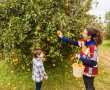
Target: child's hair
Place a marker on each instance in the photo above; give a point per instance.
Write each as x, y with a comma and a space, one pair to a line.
96, 35
37, 52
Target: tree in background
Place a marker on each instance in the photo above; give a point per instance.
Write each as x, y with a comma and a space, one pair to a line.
26, 25
107, 20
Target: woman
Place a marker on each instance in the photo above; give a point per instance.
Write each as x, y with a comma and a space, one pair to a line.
89, 54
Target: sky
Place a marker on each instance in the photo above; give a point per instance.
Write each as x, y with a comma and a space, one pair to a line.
101, 9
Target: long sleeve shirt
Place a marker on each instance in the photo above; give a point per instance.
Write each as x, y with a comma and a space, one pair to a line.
88, 54
38, 71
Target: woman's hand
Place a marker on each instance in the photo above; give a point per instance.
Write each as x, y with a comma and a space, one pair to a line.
77, 56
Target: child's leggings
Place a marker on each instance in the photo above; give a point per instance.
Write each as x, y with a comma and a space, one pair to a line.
38, 85
89, 82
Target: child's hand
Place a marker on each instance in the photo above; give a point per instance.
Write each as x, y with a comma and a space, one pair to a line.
59, 34
77, 56
46, 77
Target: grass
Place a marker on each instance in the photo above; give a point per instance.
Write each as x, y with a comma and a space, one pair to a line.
9, 80
103, 79
105, 45
60, 78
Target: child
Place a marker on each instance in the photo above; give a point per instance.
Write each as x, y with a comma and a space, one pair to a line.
38, 72
88, 55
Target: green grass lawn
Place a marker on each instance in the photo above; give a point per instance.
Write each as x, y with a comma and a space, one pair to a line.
60, 78
105, 45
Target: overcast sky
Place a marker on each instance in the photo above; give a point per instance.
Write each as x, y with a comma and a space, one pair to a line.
101, 9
